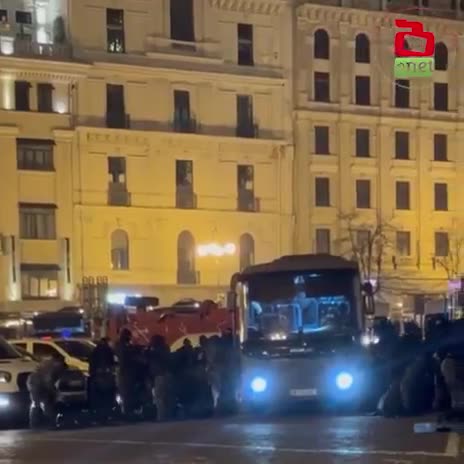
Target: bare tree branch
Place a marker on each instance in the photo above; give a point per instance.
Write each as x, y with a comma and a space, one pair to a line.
451, 263
368, 245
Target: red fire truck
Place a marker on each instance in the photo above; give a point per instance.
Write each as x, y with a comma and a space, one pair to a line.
185, 319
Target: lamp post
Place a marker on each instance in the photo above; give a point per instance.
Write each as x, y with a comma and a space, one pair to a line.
217, 251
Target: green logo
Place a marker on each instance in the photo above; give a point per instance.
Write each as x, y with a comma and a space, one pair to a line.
408, 67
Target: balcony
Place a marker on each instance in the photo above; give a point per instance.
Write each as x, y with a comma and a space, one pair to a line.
188, 277
187, 126
24, 48
185, 197
247, 201
118, 121
118, 194
249, 131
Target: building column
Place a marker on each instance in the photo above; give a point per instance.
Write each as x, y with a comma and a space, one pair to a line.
65, 220
10, 277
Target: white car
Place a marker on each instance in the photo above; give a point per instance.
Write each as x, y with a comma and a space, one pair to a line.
15, 369
75, 351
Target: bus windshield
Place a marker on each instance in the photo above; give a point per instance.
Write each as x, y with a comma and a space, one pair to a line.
282, 306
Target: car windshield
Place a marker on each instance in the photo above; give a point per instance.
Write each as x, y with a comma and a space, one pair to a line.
286, 305
79, 349
7, 351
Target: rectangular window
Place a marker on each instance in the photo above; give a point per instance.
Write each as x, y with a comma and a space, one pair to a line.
39, 283
363, 143
245, 44
245, 187
321, 140
184, 174
24, 25
440, 96
403, 243
322, 191
3, 16
45, 98
182, 20
37, 222
363, 193
322, 87
403, 200
402, 93
245, 177
116, 170
22, 101
401, 145
182, 116
323, 241
115, 107
441, 244
115, 37
440, 147
245, 120
34, 155
441, 197
363, 90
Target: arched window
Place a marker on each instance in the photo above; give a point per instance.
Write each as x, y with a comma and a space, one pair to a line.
186, 273
119, 250
363, 49
247, 251
321, 45
441, 57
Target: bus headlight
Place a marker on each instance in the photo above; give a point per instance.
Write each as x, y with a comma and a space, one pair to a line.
344, 381
258, 385
4, 402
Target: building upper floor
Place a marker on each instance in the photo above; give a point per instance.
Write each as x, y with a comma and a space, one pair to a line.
247, 37
345, 57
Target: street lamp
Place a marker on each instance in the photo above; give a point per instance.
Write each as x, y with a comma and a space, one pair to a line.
216, 249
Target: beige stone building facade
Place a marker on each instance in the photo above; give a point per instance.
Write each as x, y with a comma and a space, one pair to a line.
133, 131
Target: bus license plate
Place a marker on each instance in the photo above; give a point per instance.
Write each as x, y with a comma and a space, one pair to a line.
304, 392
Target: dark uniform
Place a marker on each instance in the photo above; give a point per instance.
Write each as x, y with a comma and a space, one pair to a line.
127, 373
41, 386
160, 366
102, 381
452, 366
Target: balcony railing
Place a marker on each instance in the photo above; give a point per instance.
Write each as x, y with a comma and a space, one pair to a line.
185, 198
188, 277
118, 194
188, 126
11, 46
247, 201
250, 131
118, 120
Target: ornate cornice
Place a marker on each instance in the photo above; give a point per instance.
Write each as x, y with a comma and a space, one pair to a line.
316, 14
265, 7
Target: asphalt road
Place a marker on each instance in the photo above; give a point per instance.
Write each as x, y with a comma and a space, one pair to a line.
242, 440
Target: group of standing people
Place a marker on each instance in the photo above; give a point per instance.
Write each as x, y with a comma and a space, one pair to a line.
425, 374
193, 382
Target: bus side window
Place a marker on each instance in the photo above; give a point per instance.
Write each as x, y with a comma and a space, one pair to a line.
44, 351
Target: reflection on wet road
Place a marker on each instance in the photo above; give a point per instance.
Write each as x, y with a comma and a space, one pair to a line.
318, 440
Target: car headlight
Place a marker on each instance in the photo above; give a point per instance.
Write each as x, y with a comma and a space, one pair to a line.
5, 377
258, 384
344, 381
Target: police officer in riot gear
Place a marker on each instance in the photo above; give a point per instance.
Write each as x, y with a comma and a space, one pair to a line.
41, 386
160, 367
127, 356
452, 367
102, 381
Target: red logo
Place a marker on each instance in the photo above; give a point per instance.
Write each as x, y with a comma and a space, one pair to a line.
416, 30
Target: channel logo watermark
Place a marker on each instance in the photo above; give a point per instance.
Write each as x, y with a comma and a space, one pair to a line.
413, 63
